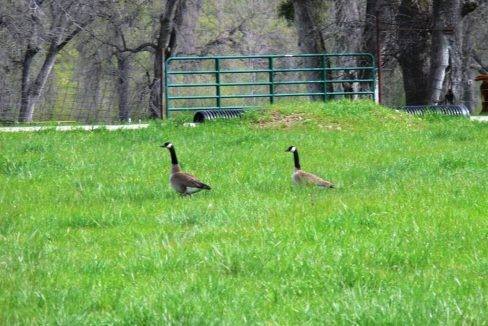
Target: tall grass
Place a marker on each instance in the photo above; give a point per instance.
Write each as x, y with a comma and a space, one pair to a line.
91, 233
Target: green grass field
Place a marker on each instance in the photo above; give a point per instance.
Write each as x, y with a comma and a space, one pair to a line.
91, 232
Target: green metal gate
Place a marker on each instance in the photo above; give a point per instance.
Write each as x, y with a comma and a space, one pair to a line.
207, 83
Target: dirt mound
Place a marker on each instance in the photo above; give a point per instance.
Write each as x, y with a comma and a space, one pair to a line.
278, 120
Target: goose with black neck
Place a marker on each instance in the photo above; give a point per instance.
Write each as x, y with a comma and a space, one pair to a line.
182, 182
301, 177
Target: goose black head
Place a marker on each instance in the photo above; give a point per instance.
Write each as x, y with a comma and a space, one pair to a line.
167, 145
291, 149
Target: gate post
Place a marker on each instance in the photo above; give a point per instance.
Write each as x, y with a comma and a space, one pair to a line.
378, 57
217, 83
271, 80
162, 83
324, 77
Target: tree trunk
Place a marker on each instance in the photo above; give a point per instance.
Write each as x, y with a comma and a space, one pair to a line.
368, 40
36, 89
185, 40
166, 30
311, 41
430, 49
347, 18
456, 58
445, 69
369, 31
468, 73
123, 66
56, 39
186, 25
25, 83
348, 39
414, 46
439, 65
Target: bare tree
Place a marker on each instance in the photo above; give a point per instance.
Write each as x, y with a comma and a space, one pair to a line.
311, 40
430, 38
414, 16
446, 73
177, 16
348, 22
43, 28
120, 18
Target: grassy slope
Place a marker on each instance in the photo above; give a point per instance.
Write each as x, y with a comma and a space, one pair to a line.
90, 231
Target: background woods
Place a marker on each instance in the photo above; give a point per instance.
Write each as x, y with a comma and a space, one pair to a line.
97, 60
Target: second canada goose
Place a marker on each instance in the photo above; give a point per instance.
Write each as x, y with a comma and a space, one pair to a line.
301, 177
183, 183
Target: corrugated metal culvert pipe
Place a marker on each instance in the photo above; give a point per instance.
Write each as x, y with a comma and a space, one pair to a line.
202, 116
451, 109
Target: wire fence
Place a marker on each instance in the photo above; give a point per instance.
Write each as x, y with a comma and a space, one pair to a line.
78, 105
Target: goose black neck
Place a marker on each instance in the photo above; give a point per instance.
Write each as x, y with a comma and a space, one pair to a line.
172, 152
296, 159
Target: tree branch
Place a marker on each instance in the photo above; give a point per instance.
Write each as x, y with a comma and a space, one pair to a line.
142, 47
223, 38
68, 38
477, 58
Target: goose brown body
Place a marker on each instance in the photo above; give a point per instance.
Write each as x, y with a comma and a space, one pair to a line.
181, 182
301, 177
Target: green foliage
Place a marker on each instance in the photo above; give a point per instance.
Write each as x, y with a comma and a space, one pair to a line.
91, 233
286, 10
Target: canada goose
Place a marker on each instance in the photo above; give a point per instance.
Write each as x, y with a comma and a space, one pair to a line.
302, 177
183, 183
